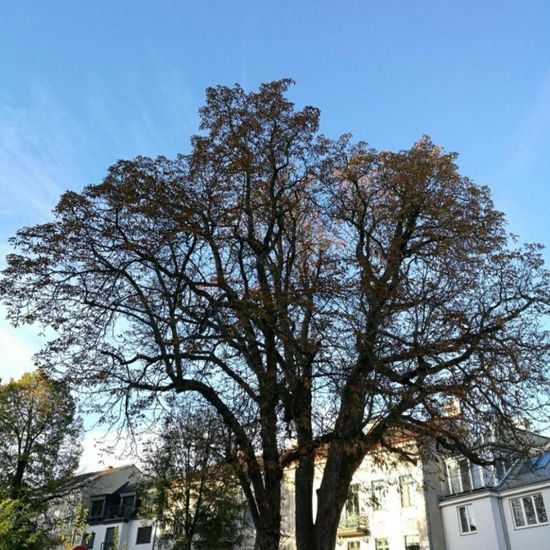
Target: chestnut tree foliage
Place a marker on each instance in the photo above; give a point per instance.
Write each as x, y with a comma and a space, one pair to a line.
308, 290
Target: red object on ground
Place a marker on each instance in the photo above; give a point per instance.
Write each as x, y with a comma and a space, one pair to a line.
80, 547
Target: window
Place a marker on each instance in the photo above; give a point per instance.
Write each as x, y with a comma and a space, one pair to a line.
144, 535
406, 489
96, 510
108, 542
412, 542
528, 510
378, 491
88, 539
127, 503
466, 519
381, 544
352, 504
354, 545
460, 478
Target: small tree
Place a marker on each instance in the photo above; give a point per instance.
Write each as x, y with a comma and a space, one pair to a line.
193, 493
19, 529
39, 450
39, 436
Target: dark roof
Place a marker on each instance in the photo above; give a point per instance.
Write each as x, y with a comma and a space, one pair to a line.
527, 472
128, 487
82, 480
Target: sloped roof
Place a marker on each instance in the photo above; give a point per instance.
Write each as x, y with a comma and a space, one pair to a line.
528, 472
88, 478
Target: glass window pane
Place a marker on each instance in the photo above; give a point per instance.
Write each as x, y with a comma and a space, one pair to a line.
463, 519
518, 512
382, 544
377, 489
539, 506
352, 504
529, 509
412, 542
406, 489
471, 518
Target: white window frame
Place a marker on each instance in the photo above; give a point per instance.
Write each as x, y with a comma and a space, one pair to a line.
409, 542
378, 487
386, 545
407, 491
470, 516
528, 525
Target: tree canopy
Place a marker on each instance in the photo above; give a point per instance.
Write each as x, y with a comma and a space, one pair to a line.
39, 436
39, 450
193, 493
308, 289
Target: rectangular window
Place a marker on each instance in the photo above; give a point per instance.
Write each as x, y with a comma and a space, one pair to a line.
460, 476
96, 509
378, 490
127, 505
382, 544
352, 504
354, 545
528, 511
406, 489
144, 535
412, 542
108, 542
467, 519
88, 539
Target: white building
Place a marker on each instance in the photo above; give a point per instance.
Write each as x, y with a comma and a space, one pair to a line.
509, 515
430, 503
392, 504
110, 500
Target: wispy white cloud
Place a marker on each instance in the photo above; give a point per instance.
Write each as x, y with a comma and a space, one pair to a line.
102, 448
17, 347
38, 154
534, 129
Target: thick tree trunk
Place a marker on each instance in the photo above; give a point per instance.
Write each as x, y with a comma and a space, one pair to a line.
267, 538
342, 462
304, 478
305, 529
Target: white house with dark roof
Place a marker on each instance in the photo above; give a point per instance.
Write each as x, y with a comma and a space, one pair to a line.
509, 515
111, 500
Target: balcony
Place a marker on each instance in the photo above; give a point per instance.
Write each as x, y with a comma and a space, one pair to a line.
353, 525
114, 512
465, 477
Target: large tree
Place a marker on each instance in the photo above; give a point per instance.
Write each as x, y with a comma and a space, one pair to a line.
307, 289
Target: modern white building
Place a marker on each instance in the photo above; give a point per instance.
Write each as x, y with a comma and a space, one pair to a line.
508, 515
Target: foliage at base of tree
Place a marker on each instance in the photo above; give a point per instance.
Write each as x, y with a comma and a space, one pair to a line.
194, 495
19, 529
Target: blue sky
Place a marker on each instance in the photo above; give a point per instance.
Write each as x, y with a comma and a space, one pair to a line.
83, 84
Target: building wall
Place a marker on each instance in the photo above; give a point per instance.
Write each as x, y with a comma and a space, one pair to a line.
393, 522
527, 538
490, 534
127, 534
